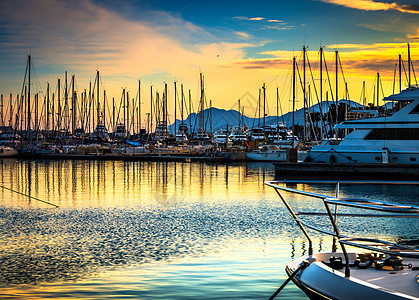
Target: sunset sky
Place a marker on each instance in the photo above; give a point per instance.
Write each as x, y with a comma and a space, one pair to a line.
238, 45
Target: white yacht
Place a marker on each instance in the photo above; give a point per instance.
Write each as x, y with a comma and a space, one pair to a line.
120, 132
7, 151
256, 134
101, 132
238, 135
181, 137
268, 153
390, 139
220, 137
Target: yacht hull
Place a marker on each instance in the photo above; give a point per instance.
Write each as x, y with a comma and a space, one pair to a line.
8, 152
319, 281
338, 154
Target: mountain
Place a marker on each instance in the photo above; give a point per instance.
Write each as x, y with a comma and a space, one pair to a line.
221, 117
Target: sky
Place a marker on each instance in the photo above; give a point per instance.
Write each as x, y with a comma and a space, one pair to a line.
237, 45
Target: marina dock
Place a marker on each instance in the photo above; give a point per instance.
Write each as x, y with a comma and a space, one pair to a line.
346, 170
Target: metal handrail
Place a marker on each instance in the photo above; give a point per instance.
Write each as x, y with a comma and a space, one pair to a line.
407, 211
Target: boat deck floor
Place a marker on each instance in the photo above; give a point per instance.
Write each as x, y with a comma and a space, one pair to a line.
402, 281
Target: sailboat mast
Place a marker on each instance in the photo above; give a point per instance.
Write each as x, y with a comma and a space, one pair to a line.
59, 105
264, 112
165, 118
47, 110
103, 109
378, 87
97, 93
293, 99
259, 110
139, 107
175, 109
151, 109
277, 107
10, 109
321, 93
337, 81
239, 113
190, 112
210, 116
304, 95
408, 64
66, 103
127, 125
73, 107
202, 104
321, 76
29, 101
2, 120
113, 115
400, 72
183, 98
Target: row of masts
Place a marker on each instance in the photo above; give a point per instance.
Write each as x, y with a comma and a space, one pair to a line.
73, 112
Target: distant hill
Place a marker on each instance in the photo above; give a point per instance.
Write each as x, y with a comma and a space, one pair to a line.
221, 117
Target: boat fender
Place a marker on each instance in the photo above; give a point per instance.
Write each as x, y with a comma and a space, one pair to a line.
363, 265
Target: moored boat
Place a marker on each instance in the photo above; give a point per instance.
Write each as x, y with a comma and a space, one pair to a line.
387, 271
7, 151
390, 139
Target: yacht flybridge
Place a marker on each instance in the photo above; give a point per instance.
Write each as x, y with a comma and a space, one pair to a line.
390, 139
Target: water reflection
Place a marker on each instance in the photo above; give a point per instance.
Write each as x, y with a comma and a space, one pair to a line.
216, 227
123, 213
114, 183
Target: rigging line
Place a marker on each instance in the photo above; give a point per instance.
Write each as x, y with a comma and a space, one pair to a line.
404, 71
30, 197
382, 89
414, 74
343, 75
328, 78
394, 78
317, 95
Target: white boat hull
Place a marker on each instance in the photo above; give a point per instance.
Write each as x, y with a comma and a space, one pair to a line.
319, 281
344, 154
261, 156
8, 152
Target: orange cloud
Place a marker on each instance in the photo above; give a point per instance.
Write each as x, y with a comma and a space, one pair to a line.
371, 5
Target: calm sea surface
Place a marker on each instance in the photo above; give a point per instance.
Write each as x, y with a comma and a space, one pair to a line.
147, 230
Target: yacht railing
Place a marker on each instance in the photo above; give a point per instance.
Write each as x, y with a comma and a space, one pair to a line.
381, 209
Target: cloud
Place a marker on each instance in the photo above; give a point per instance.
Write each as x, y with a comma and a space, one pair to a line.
249, 19
242, 35
275, 21
414, 36
80, 36
279, 27
264, 64
370, 5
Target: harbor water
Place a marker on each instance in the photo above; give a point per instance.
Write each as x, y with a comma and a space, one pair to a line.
161, 230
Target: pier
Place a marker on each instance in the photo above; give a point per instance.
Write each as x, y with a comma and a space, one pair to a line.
346, 170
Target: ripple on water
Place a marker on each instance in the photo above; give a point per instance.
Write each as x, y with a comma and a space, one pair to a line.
42, 245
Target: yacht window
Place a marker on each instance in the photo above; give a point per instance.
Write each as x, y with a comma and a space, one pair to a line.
415, 110
393, 134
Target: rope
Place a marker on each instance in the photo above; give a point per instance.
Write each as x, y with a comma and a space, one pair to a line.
46, 202
332, 150
302, 266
